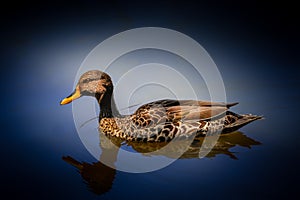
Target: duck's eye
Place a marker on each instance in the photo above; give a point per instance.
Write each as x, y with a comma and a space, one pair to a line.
86, 80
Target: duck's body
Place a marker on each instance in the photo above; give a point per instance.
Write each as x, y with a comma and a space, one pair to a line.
158, 121
164, 120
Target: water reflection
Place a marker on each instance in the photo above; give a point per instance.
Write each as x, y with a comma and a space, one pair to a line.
224, 143
97, 176
100, 177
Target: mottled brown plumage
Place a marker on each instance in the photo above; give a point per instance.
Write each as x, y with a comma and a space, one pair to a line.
157, 121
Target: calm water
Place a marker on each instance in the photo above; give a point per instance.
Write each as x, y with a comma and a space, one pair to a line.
43, 157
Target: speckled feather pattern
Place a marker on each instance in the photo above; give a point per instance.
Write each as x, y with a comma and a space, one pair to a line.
154, 122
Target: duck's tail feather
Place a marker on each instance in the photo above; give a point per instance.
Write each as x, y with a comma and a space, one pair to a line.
231, 104
234, 121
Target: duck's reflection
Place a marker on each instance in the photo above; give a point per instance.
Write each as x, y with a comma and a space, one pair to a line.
97, 175
100, 177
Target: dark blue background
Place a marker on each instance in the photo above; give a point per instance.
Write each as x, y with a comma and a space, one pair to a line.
254, 45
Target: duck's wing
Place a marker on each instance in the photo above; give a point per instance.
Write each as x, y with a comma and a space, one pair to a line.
162, 111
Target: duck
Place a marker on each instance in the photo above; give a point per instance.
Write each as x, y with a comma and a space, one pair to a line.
157, 121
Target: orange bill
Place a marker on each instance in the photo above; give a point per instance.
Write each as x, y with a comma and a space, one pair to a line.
75, 95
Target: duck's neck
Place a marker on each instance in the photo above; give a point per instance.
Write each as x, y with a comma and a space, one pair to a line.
108, 108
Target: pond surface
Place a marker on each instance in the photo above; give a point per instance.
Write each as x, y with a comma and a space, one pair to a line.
44, 158
43, 155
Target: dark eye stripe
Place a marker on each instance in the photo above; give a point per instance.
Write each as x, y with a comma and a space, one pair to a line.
89, 80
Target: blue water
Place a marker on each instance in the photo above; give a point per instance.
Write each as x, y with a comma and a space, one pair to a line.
39, 69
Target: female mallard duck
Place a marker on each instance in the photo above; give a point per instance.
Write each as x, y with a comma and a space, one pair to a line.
157, 121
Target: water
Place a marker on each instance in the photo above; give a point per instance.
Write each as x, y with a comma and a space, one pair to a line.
43, 157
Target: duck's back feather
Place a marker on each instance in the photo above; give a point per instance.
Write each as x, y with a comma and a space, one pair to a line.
174, 110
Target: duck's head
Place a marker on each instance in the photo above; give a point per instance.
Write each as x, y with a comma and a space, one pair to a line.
92, 83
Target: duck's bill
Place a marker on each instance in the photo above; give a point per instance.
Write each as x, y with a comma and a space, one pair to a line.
75, 95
